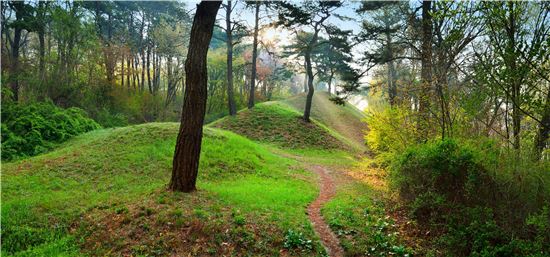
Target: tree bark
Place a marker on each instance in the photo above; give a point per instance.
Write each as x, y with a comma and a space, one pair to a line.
544, 129
122, 71
426, 70
188, 145
254, 57
229, 31
14, 67
148, 70
309, 98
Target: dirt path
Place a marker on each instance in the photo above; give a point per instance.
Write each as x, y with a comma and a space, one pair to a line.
327, 191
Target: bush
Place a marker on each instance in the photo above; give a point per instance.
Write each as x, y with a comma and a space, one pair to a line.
33, 129
483, 200
390, 131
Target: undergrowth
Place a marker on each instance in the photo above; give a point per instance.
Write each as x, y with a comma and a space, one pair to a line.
32, 129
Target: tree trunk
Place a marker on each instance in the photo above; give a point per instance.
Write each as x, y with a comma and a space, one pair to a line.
305, 77
544, 128
310, 91
331, 77
148, 70
188, 145
254, 57
229, 32
426, 70
122, 71
128, 70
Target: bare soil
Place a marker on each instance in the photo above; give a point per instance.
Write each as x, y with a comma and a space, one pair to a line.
327, 191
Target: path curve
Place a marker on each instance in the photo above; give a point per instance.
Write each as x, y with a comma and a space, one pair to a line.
327, 191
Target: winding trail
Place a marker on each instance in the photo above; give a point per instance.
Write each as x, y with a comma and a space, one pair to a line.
327, 191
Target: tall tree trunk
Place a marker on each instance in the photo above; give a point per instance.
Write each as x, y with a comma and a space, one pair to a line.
305, 77
42, 49
541, 139
254, 57
128, 70
14, 67
331, 77
15, 63
309, 98
515, 83
148, 70
426, 70
188, 145
142, 52
122, 71
229, 32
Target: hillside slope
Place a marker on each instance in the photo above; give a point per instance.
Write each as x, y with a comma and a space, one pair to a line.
277, 124
104, 193
345, 120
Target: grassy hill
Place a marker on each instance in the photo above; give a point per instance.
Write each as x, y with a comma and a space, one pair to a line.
104, 192
346, 120
277, 124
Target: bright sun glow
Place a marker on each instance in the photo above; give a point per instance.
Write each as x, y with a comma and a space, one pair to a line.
269, 35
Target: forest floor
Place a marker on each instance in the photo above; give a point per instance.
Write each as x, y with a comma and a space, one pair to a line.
104, 193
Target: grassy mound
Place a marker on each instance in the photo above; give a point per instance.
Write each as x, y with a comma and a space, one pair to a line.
103, 193
345, 121
279, 125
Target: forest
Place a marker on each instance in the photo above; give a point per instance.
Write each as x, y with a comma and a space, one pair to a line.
275, 128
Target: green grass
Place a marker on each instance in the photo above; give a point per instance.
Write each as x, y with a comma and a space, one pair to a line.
360, 222
279, 125
49, 201
343, 122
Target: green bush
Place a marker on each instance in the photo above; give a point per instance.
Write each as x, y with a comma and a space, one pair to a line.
390, 131
33, 129
484, 200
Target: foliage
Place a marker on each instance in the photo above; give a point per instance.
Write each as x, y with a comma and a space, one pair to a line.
390, 131
33, 129
295, 239
456, 189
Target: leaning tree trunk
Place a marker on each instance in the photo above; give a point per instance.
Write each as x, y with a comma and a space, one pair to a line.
230, 94
188, 145
254, 57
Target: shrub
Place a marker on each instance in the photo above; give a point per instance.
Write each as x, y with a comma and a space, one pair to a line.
33, 129
482, 199
390, 131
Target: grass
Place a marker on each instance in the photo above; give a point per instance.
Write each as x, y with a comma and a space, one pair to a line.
279, 125
105, 182
344, 122
358, 216
104, 193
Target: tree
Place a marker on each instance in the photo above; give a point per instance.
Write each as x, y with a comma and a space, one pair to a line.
188, 145
231, 27
22, 19
381, 28
426, 69
314, 16
254, 56
516, 63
